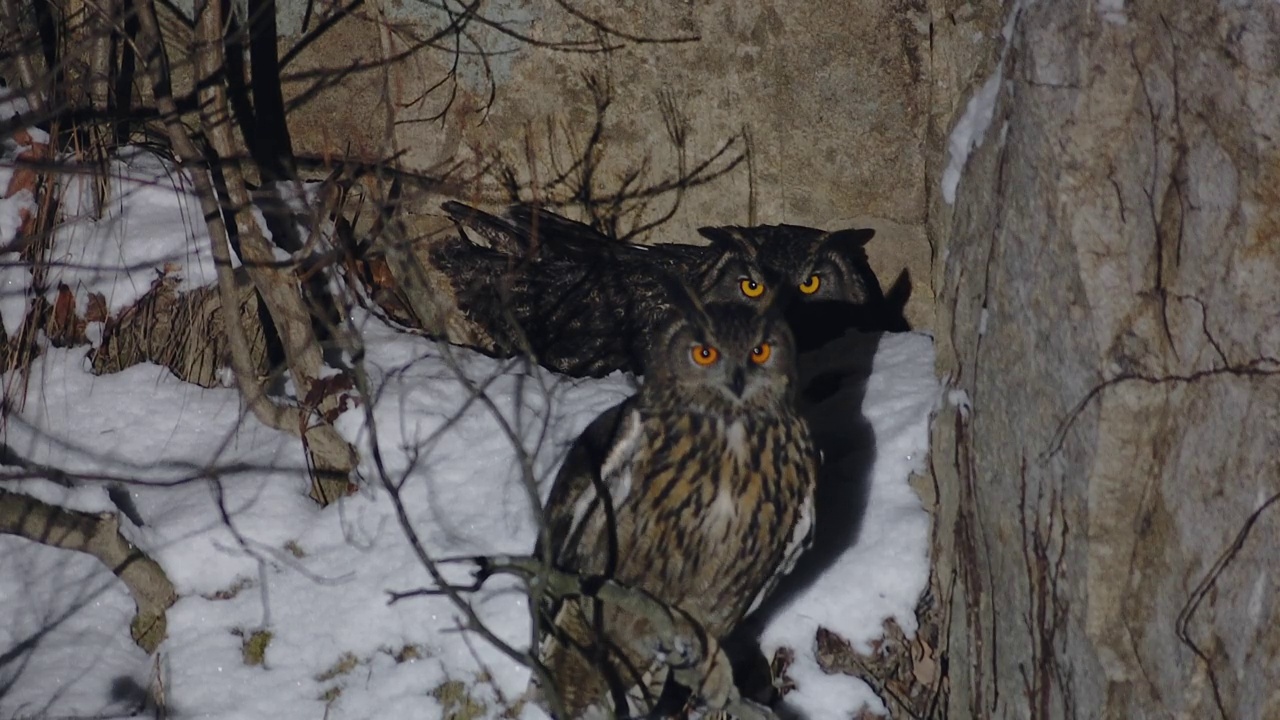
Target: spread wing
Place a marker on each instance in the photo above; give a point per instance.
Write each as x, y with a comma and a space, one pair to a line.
498, 234
559, 234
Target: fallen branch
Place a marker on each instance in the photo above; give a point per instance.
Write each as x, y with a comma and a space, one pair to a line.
99, 536
183, 331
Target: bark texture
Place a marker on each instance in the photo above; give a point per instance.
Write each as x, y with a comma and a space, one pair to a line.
1110, 304
185, 332
99, 536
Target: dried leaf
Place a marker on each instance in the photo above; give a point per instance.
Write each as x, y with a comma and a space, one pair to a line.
96, 311
380, 273
62, 321
26, 177
327, 387
924, 661
779, 666
834, 653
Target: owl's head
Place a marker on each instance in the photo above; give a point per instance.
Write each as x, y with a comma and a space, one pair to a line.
805, 263
822, 279
723, 357
726, 270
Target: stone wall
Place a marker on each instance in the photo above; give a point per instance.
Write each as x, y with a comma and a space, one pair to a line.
832, 104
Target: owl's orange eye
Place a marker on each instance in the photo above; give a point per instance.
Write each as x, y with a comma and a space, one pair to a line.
761, 353
751, 288
810, 286
705, 355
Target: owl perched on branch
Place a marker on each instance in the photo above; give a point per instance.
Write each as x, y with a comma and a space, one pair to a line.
581, 302
698, 490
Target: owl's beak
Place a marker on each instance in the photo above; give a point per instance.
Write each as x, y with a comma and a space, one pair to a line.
738, 382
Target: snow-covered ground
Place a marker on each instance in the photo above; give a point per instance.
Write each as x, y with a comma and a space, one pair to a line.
248, 552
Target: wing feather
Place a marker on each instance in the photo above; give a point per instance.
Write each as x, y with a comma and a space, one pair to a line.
603, 453
800, 540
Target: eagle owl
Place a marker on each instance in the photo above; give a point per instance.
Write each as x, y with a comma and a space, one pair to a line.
583, 303
575, 303
824, 282
698, 490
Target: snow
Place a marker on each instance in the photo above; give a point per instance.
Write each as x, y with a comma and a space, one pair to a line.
64, 644
1112, 11
151, 225
12, 104
883, 573
959, 399
14, 277
152, 222
248, 552
967, 135
971, 128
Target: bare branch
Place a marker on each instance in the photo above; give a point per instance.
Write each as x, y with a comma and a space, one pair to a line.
99, 536
332, 456
26, 68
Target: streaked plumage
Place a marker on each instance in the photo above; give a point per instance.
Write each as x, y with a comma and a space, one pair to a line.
707, 476
578, 303
583, 302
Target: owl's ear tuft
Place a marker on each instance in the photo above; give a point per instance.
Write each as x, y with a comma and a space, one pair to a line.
679, 296
676, 318
730, 238
850, 238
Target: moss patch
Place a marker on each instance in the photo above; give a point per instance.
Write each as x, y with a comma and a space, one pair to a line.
253, 647
458, 703
345, 664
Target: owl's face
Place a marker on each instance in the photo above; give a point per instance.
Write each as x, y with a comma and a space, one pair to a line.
725, 357
729, 273
802, 263
821, 279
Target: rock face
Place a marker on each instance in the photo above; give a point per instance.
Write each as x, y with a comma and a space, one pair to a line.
1109, 302
807, 114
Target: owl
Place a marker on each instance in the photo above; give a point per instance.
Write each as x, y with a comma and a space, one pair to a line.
823, 280
697, 490
581, 297
574, 300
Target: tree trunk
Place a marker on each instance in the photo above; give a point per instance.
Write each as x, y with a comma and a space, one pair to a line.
1110, 304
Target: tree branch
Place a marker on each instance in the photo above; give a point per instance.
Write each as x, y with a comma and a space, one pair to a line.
332, 458
694, 658
99, 536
